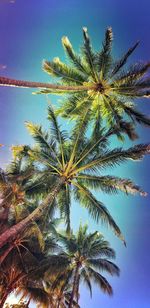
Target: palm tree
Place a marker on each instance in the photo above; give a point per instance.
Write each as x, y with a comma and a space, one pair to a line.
17, 260
20, 189
23, 268
112, 88
87, 255
96, 81
13, 183
37, 263
70, 165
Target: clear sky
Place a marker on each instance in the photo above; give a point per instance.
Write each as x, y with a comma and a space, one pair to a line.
31, 31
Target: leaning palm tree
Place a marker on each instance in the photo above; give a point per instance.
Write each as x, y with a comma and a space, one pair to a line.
95, 80
74, 165
87, 255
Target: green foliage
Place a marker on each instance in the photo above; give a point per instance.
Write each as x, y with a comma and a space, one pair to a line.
41, 264
85, 252
80, 160
110, 85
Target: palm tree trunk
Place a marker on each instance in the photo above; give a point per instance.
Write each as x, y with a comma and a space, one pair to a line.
77, 289
76, 279
4, 81
11, 234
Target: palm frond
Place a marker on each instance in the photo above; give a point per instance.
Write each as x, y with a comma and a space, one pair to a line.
100, 281
104, 265
88, 54
73, 105
38, 295
110, 184
100, 248
41, 137
104, 57
134, 114
86, 279
69, 242
58, 134
117, 156
95, 145
35, 232
96, 209
64, 203
67, 74
124, 59
126, 81
75, 59
46, 144
77, 137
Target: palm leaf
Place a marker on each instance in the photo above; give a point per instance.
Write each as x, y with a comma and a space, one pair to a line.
67, 74
100, 281
117, 156
88, 54
104, 57
127, 83
134, 114
59, 135
96, 209
75, 59
100, 248
110, 184
77, 137
104, 265
124, 59
86, 280
64, 202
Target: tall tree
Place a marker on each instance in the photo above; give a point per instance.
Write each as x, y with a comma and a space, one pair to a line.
88, 255
74, 165
95, 81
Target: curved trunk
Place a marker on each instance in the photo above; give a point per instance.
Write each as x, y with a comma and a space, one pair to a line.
75, 286
4, 81
12, 233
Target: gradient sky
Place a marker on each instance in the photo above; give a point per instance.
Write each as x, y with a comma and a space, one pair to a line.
31, 31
